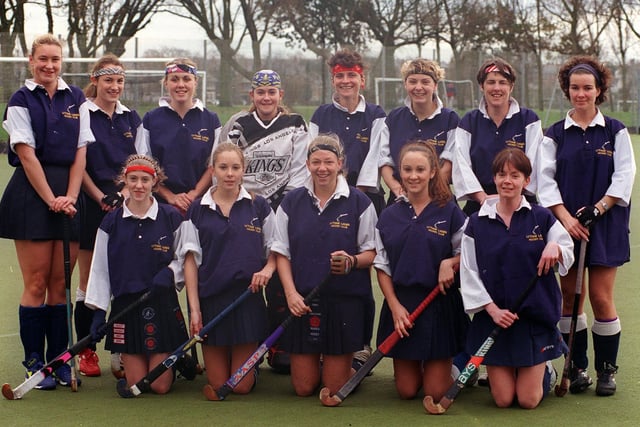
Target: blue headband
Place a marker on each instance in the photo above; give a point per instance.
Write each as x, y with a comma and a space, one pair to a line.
266, 78
589, 69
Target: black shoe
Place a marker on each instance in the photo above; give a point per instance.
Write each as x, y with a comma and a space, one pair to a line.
187, 367
580, 380
279, 361
606, 384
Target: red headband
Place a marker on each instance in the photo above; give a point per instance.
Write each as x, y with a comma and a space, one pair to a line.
143, 168
341, 69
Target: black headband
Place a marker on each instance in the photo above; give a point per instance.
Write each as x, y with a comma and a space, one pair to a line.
327, 147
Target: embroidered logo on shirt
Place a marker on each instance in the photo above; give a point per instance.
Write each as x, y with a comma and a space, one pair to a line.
199, 136
514, 143
604, 150
437, 142
128, 133
158, 246
436, 230
535, 235
252, 227
265, 166
338, 223
69, 114
362, 136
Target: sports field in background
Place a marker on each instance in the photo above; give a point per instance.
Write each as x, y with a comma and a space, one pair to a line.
273, 402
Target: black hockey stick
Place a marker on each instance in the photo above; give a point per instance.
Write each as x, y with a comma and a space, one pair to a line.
49, 368
222, 392
383, 349
563, 386
144, 385
474, 362
66, 251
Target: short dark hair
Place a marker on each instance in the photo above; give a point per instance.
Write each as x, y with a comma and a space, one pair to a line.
498, 65
513, 156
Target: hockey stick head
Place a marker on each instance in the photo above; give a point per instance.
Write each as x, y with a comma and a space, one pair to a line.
434, 408
123, 389
327, 399
7, 392
211, 394
562, 387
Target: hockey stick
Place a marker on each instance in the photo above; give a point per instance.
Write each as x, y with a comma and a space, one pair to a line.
383, 349
474, 362
66, 241
233, 381
144, 385
49, 368
563, 386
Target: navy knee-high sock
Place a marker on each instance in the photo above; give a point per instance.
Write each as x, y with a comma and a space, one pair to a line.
57, 333
580, 359
33, 324
606, 342
82, 318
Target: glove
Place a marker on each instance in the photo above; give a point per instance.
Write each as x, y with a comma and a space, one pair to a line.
341, 264
98, 325
113, 200
163, 279
587, 215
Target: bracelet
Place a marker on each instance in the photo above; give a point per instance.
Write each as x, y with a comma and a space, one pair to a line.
355, 262
604, 205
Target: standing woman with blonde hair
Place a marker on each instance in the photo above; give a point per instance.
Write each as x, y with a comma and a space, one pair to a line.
180, 134
48, 130
423, 117
587, 169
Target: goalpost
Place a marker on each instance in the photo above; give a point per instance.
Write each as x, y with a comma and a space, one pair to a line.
455, 94
144, 85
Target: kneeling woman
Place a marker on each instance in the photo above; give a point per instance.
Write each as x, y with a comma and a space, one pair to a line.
227, 243
325, 226
135, 252
505, 244
418, 247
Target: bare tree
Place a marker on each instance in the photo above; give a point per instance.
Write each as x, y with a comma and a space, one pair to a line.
525, 30
306, 24
467, 26
622, 31
106, 25
228, 24
11, 30
581, 24
393, 23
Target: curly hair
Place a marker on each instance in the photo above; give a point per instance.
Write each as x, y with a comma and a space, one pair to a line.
347, 58
439, 190
497, 65
602, 74
422, 66
141, 159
